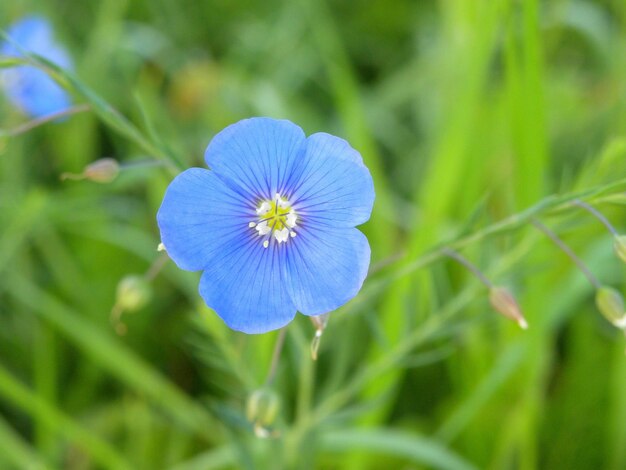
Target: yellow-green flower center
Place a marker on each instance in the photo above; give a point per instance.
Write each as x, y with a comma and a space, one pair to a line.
276, 219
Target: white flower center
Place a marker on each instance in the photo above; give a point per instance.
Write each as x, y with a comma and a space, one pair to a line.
276, 219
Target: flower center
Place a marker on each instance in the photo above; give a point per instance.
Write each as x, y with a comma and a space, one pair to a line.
276, 219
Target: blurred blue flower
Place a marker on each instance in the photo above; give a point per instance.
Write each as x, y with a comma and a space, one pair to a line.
271, 224
27, 87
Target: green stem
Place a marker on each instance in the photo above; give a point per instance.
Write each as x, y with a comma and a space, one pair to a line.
597, 214
568, 251
278, 348
27, 126
470, 266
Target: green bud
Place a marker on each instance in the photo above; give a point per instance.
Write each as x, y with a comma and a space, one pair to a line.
619, 244
133, 292
103, 170
503, 302
262, 407
611, 305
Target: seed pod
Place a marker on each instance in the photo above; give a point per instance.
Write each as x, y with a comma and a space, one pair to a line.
611, 305
619, 244
133, 293
262, 407
503, 302
103, 170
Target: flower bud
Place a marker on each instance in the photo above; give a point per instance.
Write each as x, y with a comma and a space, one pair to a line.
262, 408
619, 244
103, 170
504, 302
133, 292
611, 305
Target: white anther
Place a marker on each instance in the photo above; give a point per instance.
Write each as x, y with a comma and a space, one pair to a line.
263, 228
252, 224
281, 235
291, 219
266, 243
264, 208
282, 203
292, 234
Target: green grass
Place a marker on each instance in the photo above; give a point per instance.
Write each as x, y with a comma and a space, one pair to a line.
474, 117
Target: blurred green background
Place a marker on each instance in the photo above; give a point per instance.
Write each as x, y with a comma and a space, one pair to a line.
467, 112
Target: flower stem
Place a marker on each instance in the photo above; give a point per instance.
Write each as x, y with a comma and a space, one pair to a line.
278, 348
455, 255
27, 126
597, 214
156, 267
568, 251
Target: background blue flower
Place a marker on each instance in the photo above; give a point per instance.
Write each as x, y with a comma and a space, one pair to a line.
29, 88
271, 224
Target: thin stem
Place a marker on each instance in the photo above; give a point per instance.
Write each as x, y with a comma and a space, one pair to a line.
568, 251
27, 126
465, 262
156, 267
278, 348
597, 214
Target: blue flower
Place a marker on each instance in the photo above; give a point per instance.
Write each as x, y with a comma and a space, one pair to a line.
271, 224
27, 87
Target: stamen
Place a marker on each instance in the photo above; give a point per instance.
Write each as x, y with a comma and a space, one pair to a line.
282, 235
263, 228
291, 219
266, 243
292, 234
252, 225
264, 208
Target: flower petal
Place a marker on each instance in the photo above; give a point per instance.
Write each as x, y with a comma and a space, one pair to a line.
27, 87
326, 268
257, 155
245, 285
199, 216
334, 187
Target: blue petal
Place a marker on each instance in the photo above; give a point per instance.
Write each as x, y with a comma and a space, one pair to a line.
200, 216
334, 187
246, 287
256, 155
27, 87
326, 268
34, 92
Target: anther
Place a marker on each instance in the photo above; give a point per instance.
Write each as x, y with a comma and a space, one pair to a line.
266, 243
291, 219
281, 235
251, 225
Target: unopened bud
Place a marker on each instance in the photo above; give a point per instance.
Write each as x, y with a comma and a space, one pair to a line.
262, 409
504, 302
611, 305
133, 292
103, 170
619, 244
